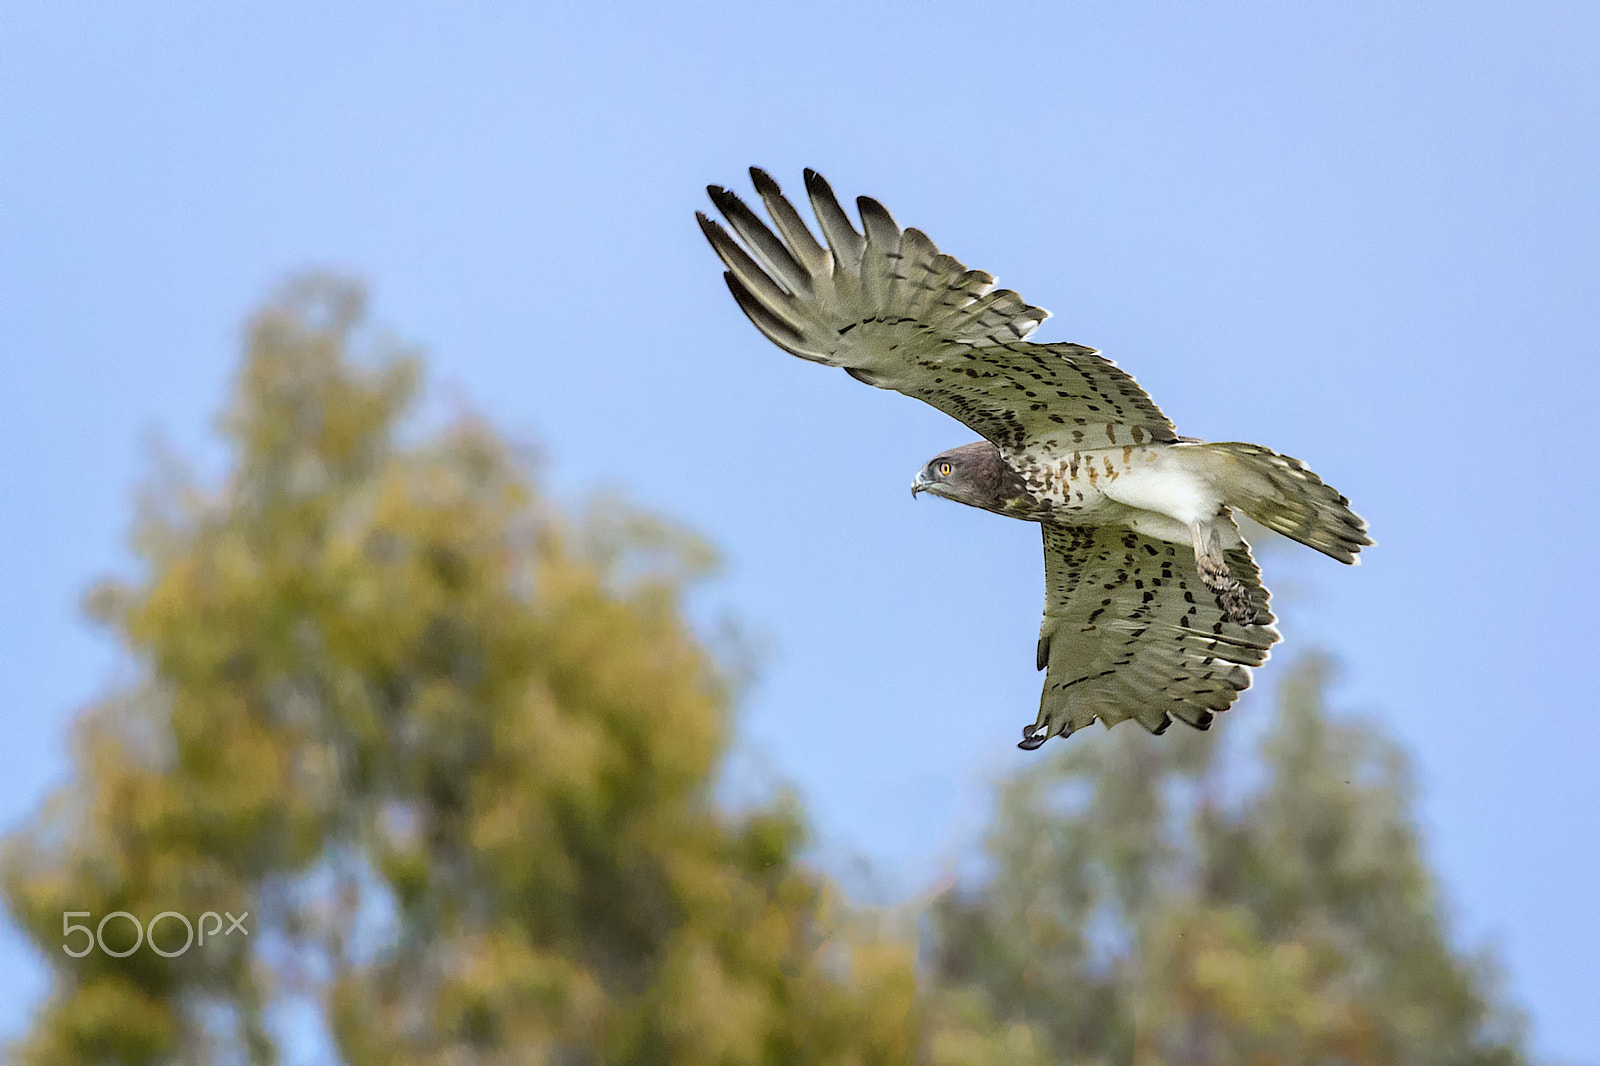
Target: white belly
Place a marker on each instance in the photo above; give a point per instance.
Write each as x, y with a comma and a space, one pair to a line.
1153, 489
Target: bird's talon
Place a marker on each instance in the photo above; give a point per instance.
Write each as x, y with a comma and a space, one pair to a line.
1033, 736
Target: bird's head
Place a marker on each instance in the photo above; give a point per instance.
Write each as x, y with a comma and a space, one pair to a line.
973, 474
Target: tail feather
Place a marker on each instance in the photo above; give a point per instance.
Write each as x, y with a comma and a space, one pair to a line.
1281, 494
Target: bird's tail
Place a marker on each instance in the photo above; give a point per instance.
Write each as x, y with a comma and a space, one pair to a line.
1281, 494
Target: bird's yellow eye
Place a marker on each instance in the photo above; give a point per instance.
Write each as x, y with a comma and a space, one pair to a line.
944, 469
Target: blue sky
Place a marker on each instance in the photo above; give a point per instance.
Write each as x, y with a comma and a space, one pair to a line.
1365, 234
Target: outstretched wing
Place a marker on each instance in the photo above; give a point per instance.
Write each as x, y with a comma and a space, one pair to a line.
895, 312
1130, 631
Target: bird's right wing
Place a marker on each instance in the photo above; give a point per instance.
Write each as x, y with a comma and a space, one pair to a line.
1130, 631
895, 312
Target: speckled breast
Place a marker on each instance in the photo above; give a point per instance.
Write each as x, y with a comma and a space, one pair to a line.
1070, 486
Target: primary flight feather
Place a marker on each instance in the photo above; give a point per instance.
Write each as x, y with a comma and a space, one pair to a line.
1154, 609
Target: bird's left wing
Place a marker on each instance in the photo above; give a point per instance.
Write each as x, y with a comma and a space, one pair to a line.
1130, 631
892, 310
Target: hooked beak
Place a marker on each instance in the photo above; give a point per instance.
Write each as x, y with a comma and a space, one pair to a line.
922, 484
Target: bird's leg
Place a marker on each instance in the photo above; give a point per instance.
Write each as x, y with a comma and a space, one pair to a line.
1036, 734
1212, 563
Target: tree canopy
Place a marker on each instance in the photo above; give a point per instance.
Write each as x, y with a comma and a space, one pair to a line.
391, 686
1135, 911
451, 751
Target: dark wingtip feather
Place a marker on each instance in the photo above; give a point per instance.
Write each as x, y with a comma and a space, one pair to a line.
873, 210
802, 245
817, 186
781, 333
837, 229
723, 198
777, 258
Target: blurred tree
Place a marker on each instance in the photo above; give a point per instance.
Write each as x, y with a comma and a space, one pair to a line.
451, 751
1133, 912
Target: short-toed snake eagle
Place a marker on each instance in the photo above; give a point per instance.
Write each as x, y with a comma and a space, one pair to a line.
1154, 609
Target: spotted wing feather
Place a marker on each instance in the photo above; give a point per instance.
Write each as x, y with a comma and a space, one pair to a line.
891, 309
1130, 631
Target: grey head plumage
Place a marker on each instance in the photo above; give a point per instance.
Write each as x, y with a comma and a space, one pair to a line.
976, 475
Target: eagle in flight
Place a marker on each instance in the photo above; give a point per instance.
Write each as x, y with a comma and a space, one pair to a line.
1154, 609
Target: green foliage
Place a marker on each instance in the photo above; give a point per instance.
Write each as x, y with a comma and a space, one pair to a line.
1132, 912
451, 751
